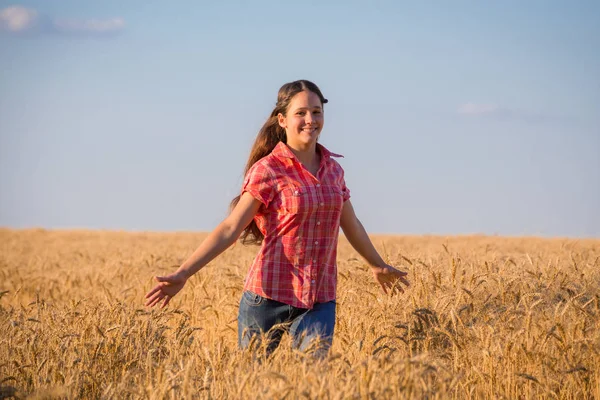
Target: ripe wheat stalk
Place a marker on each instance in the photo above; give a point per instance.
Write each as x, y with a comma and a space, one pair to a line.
485, 317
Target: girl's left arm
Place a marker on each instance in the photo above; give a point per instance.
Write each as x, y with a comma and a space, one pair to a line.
386, 275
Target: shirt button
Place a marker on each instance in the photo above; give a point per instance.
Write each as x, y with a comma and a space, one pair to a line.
318, 185
313, 281
322, 204
316, 242
318, 222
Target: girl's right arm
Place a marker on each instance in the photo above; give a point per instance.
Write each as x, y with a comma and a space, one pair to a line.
223, 236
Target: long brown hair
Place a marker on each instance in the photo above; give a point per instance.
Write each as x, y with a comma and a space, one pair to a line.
269, 135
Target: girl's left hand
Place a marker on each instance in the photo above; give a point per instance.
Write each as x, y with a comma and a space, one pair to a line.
390, 278
168, 286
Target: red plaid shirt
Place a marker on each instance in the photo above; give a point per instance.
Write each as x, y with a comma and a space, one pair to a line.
300, 219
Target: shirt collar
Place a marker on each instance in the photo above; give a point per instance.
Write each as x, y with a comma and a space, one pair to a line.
283, 151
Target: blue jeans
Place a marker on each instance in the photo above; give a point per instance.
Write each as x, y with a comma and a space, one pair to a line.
311, 330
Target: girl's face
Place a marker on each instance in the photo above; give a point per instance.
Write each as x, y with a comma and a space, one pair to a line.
304, 120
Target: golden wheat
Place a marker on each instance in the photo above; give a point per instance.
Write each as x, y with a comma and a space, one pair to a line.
485, 317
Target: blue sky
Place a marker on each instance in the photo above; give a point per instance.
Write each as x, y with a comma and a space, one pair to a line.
454, 117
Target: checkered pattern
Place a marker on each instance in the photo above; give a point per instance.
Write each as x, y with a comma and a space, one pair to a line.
300, 219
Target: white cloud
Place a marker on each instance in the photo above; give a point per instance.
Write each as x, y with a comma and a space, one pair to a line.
502, 113
477, 109
18, 19
112, 25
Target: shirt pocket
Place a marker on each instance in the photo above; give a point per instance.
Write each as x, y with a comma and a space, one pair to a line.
295, 199
334, 197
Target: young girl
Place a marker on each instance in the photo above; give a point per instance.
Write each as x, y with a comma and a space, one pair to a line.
293, 201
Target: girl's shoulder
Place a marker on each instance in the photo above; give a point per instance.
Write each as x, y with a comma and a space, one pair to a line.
335, 164
330, 155
268, 166
268, 162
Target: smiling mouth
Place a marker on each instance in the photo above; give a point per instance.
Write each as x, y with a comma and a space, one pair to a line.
309, 130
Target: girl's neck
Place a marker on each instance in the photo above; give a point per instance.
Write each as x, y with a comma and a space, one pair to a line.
308, 157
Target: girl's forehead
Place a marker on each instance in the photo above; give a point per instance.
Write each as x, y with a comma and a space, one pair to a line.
305, 98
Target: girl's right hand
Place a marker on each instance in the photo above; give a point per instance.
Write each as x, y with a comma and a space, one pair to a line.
167, 287
389, 277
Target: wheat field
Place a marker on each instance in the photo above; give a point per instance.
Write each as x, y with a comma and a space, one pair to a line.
485, 317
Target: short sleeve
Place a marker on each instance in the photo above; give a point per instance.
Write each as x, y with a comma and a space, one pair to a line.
259, 183
341, 181
345, 190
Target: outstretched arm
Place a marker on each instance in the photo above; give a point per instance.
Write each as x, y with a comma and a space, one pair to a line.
386, 275
223, 236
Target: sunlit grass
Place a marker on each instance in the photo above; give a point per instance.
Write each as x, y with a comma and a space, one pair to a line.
485, 317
